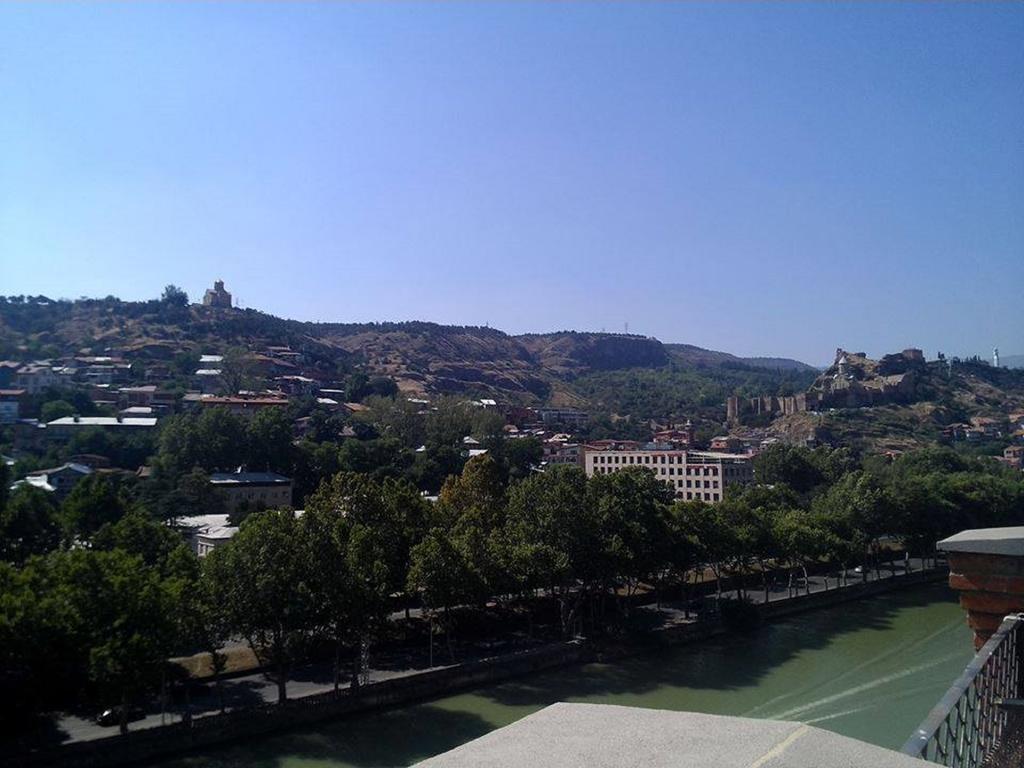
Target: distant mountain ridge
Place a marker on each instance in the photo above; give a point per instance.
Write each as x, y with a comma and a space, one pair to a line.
1012, 361
421, 356
698, 355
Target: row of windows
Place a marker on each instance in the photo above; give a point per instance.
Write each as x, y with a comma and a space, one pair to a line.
678, 483
697, 496
709, 471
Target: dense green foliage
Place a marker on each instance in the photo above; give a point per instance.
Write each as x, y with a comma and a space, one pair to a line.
676, 390
97, 593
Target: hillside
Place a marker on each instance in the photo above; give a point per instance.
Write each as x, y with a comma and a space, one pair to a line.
689, 354
422, 357
903, 401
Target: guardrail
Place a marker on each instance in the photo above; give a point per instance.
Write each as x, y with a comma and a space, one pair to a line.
967, 724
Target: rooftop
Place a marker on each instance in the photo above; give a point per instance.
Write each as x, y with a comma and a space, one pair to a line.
241, 478
608, 736
103, 421
208, 526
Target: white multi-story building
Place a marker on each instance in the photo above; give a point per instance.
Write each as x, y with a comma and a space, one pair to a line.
693, 475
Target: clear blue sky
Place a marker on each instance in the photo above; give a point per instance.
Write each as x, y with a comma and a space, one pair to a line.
763, 179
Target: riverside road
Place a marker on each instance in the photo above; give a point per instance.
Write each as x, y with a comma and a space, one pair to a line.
255, 689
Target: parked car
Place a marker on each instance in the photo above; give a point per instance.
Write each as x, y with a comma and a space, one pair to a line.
859, 569
112, 716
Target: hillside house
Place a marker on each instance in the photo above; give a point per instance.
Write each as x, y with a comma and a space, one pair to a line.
35, 377
242, 405
57, 480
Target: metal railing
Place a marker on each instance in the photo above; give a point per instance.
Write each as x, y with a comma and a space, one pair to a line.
969, 721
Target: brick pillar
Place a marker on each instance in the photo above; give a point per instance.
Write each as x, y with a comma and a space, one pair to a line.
986, 566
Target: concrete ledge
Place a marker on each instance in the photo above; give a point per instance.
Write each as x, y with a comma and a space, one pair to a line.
609, 736
988, 541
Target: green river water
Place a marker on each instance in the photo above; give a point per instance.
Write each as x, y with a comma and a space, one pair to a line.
870, 669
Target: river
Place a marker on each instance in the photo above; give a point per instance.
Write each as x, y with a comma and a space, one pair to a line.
870, 669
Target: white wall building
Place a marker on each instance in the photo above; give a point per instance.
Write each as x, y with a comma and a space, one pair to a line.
694, 476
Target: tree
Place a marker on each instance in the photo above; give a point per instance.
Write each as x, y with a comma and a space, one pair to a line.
683, 552
270, 441
267, 590
860, 511
93, 502
192, 495
631, 507
357, 536
235, 370
472, 508
803, 539
440, 574
552, 539
137, 631
795, 466
174, 296
397, 418
28, 524
138, 534
448, 422
5, 480
714, 541
56, 409
201, 600
214, 440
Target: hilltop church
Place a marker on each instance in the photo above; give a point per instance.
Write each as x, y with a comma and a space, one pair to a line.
217, 296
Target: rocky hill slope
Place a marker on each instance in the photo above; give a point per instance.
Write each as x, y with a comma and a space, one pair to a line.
902, 401
422, 357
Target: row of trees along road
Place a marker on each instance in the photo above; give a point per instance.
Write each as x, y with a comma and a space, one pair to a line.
91, 619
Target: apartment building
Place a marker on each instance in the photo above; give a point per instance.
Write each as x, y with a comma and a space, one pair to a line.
693, 475
256, 489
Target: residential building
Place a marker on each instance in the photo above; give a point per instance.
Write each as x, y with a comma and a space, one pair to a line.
35, 377
1013, 456
255, 489
57, 480
567, 416
694, 476
10, 405
726, 444
145, 395
677, 437
297, 385
240, 405
285, 353
217, 296
63, 429
562, 451
206, 532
